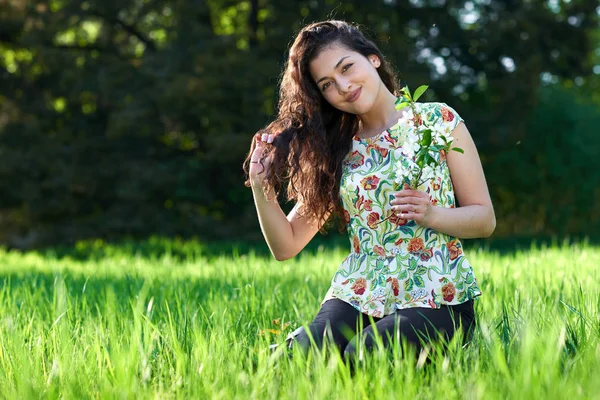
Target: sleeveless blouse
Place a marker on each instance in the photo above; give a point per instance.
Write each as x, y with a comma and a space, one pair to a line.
396, 263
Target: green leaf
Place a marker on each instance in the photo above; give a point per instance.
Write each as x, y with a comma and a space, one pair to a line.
408, 285
426, 141
420, 90
373, 285
378, 191
421, 270
390, 238
406, 91
403, 274
422, 150
412, 264
427, 159
458, 149
400, 106
419, 281
407, 230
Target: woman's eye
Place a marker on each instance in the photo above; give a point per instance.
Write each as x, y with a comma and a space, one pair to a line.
325, 86
346, 67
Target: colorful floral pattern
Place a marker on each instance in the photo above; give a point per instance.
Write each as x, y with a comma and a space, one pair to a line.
395, 263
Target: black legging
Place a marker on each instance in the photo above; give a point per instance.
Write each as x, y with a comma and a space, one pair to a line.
416, 325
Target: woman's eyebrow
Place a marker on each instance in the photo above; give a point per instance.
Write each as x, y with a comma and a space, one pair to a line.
336, 67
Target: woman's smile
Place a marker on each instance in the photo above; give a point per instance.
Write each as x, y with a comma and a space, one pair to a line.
354, 95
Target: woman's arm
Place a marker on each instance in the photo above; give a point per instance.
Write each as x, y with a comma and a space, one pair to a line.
475, 217
285, 236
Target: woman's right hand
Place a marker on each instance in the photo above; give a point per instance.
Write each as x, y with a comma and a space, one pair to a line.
258, 171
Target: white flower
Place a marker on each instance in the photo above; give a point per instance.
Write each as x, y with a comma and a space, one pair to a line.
412, 171
411, 145
407, 118
438, 135
412, 136
437, 139
407, 170
428, 173
402, 173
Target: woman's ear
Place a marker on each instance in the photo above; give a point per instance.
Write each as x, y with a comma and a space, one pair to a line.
375, 61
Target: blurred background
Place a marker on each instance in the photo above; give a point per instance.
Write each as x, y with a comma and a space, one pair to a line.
129, 119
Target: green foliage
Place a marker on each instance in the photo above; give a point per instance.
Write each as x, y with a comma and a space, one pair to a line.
133, 322
130, 118
549, 182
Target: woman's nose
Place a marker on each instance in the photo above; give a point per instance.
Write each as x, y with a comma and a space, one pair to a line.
343, 86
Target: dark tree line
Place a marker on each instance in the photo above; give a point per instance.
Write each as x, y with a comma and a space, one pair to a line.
132, 117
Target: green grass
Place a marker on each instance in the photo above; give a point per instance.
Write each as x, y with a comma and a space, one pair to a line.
175, 319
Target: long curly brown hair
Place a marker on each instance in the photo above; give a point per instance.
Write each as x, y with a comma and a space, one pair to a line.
312, 138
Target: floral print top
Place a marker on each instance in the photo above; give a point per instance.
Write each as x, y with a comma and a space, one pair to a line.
396, 263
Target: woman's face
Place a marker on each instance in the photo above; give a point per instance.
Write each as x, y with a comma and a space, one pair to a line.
348, 80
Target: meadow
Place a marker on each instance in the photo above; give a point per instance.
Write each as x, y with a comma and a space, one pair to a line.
174, 319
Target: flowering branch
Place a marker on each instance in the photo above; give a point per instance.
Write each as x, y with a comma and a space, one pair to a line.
421, 143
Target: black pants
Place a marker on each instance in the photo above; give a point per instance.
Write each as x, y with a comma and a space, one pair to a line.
340, 321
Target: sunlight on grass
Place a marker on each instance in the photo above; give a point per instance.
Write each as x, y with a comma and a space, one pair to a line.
109, 321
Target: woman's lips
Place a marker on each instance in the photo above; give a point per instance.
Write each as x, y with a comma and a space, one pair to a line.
353, 96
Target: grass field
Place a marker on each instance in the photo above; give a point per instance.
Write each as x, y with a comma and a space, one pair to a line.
174, 320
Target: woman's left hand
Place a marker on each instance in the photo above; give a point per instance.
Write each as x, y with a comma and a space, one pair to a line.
413, 204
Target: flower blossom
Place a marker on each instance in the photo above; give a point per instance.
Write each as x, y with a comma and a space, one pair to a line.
407, 118
411, 145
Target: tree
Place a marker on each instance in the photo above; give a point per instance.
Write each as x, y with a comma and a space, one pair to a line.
132, 117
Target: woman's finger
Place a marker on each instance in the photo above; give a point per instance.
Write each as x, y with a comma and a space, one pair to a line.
410, 193
406, 208
407, 200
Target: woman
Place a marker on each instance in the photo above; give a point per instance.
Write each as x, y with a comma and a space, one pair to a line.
336, 141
